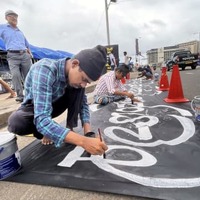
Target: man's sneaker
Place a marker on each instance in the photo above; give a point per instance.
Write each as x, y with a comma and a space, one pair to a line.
19, 99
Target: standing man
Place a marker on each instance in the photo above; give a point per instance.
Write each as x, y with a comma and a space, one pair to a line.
51, 87
127, 59
113, 63
18, 52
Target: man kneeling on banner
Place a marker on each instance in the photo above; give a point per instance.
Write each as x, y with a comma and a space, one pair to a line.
51, 87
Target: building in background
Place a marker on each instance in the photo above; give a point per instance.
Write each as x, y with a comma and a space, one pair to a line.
159, 55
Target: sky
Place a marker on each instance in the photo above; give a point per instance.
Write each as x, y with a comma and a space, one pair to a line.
73, 25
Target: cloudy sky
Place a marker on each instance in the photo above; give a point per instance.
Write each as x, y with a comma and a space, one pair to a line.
73, 25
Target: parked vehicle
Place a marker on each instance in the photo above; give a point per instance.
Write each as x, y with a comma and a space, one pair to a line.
168, 63
183, 59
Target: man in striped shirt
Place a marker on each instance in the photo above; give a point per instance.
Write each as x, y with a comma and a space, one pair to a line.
51, 87
110, 88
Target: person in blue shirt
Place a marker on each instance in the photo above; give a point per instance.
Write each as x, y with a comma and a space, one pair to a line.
51, 87
18, 52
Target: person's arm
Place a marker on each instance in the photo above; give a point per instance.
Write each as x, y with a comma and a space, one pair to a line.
7, 87
124, 93
2, 28
26, 43
29, 51
128, 94
28, 47
93, 146
85, 115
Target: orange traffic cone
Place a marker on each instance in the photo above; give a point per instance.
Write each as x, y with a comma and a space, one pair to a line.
175, 94
164, 83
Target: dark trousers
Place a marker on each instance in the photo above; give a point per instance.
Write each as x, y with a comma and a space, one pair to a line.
112, 67
21, 121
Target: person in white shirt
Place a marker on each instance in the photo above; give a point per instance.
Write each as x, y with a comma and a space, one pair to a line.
110, 88
127, 58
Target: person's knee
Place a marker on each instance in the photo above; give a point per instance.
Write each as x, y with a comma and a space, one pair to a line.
14, 125
101, 100
18, 125
105, 101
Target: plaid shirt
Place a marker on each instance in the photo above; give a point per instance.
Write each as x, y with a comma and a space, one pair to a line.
45, 83
108, 84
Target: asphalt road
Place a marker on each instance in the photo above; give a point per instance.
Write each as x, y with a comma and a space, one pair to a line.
190, 80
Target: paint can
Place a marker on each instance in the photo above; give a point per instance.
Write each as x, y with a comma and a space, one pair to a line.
156, 76
195, 105
10, 160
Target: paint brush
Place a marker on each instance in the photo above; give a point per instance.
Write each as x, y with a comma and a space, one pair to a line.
100, 136
132, 101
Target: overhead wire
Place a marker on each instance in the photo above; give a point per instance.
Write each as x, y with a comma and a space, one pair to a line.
98, 27
101, 18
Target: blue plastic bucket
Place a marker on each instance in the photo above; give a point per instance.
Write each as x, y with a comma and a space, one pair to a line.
10, 160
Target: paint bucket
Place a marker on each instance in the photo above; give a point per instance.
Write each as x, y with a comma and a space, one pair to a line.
156, 76
10, 160
195, 105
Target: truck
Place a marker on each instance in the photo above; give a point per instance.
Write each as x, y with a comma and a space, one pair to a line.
183, 58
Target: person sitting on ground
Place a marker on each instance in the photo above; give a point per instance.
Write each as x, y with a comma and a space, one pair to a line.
145, 71
110, 88
51, 87
7, 87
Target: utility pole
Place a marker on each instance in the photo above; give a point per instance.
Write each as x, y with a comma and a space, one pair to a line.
107, 20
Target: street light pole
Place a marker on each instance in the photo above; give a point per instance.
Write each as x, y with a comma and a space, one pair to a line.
199, 42
107, 22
